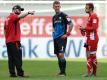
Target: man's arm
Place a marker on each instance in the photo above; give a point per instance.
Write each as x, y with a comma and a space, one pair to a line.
69, 30
69, 22
25, 14
93, 27
70, 27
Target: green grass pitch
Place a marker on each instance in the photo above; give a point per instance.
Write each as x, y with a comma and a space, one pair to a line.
47, 70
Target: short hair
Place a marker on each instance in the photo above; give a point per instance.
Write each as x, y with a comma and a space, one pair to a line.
56, 2
91, 5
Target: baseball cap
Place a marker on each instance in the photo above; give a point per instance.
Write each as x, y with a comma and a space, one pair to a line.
18, 7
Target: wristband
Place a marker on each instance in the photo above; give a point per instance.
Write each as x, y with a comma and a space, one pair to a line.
83, 32
68, 34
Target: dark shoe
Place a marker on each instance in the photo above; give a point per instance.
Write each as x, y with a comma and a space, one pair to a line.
13, 75
23, 76
61, 74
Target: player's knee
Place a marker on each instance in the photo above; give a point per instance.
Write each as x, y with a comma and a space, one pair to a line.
61, 56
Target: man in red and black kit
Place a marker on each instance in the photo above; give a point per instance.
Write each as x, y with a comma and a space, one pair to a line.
90, 32
12, 36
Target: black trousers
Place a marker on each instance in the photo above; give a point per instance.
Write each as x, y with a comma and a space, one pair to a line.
15, 58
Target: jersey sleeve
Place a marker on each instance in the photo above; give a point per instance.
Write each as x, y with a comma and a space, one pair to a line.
94, 22
67, 19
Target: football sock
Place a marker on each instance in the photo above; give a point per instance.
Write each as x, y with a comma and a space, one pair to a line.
62, 63
94, 65
89, 66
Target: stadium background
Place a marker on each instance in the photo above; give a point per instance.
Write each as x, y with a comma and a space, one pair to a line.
36, 30
39, 61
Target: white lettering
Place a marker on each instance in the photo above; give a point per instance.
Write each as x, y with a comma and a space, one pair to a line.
25, 29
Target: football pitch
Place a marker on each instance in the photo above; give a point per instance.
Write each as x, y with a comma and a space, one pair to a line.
47, 70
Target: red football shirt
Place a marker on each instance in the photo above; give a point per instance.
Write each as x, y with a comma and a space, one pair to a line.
92, 26
12, 28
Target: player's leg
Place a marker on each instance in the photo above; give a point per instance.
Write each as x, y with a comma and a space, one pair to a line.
94, 63
89, 65
56, 52
62, 64
62, 60
89, 60
18, 58
11, 63
93, 54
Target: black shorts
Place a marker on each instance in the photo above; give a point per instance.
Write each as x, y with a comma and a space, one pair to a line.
60, 45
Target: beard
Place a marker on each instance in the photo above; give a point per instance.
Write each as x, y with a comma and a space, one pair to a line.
17, 13
87, 11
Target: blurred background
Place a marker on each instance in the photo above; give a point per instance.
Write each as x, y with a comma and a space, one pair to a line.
37, 42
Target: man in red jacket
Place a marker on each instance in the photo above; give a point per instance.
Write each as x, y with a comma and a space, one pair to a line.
12, 37
92, 39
